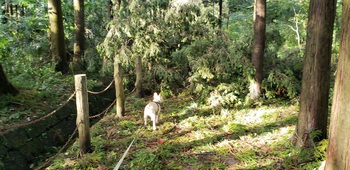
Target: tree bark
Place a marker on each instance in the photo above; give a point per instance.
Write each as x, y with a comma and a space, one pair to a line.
5, 86
110, 10
10, 9
138, 82
58, 47
4, 14
220, 14
316, 73
79, 34
258, 47
338, 152
119, 87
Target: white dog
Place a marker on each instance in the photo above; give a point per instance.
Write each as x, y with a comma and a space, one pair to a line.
152, 110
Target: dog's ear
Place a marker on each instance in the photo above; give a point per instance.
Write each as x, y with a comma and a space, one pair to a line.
155, 94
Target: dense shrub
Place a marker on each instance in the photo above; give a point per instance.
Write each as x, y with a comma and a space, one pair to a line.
180, 45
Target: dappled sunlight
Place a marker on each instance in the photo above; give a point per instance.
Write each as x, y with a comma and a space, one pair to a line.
259, 150
225, 113
259, 115
254, 140
189, 134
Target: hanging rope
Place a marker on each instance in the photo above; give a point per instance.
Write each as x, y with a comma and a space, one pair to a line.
37, 120
103, 89
60, 151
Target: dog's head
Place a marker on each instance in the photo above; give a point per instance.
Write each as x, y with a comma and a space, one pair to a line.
157, 98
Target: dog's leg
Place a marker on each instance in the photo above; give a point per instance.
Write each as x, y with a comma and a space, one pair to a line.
157, 117
154, 125
153, 118
145, 118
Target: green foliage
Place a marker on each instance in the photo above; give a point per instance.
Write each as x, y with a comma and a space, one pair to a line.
181, 48
20, 44
26, 59
147, 159
321, 150
283, 55
234, 127
239, 5
286, 34
24, 41
218, 66
180, 45
159, 32
39, 94
284, 77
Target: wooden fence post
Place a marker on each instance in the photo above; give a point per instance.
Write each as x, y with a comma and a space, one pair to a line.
119, 88
82, 121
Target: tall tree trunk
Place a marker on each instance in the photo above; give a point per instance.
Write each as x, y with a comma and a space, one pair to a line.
5, 86
119, 87
258, 47
16, 10
79, 34
338, 152
220, 14
10, 9
4, 14
58, 47
106, 62
22, 9
110, 9
316, 73
138, 82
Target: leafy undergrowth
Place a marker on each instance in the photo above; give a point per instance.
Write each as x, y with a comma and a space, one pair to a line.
35, 99
191, 136
39, 95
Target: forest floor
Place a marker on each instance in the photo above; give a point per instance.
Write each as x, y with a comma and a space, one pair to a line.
192, 136
34, 100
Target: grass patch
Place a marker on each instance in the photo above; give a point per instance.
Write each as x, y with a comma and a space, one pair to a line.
192, 136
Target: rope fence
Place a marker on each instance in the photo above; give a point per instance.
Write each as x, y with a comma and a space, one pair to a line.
105, 111
60, 151
8, 128
49, 160
46, 163
103, 89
